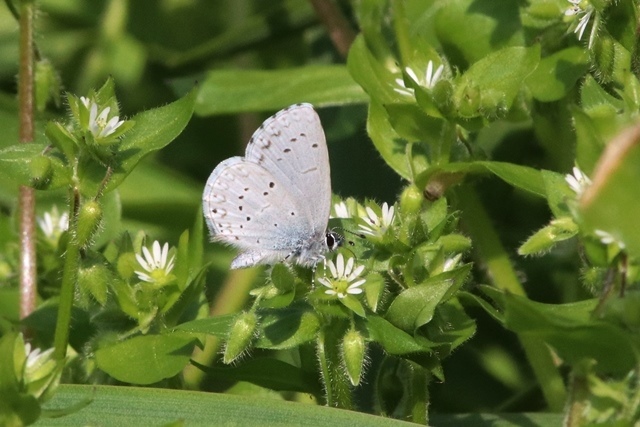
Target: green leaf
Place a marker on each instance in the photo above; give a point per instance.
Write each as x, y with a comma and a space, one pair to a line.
155, 406
270, 373
589, 141
391, 146
558, 73
189, 302
353, 304
146, 359
234, 91
557, 192
15, 164
571, 330
370, 73
393, 340
413, 124
495, 80
475, 300
287, 328
282, 278
217, 325
522, 177
415, 306
609, 204
153, 130
470, 30
451, 327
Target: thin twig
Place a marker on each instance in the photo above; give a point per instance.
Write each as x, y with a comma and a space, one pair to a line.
341, 33
28, 284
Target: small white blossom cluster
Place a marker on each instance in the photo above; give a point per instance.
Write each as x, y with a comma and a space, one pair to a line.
584, 11
155, 263
431, 77
100, 125
345, 277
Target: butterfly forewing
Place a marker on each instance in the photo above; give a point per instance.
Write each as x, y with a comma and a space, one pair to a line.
291, 145
244, 206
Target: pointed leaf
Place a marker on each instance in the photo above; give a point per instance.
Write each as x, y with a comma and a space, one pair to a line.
146, 359
234, 91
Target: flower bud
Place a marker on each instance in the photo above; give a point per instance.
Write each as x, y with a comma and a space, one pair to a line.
469, 101
353, 354
544, 239
411, 200
41, 172
88, 221
240, 336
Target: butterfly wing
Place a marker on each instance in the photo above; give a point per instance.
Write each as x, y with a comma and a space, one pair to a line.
291, 145
247, 207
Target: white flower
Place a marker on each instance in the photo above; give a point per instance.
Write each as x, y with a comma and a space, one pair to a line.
155, 264
35, 359
608, 238
402, 89
578, 182
430, 79
451, 263
345, 209
345, 278
584, 12
100, 125
377, 225
53, 224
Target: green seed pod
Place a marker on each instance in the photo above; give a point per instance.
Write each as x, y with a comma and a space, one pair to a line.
89, 219
47, 84
411, 200
240, 336
353, 354
94, 279
469, 101
442, 94
545, 238
41, 172
604, 58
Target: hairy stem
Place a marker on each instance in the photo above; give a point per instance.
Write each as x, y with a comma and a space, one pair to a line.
28, 273
69, 276
335, 381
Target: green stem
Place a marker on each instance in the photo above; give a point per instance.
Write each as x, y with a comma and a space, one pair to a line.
69, 276
419, 395
493, 256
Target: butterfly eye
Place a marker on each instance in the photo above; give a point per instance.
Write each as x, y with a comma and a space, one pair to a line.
333, 240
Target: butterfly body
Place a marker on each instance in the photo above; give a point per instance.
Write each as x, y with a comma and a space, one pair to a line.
273, 204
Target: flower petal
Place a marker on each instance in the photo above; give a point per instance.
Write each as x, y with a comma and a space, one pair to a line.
325, 282
349, 267
356, 272
340, 266
332, 268
143, 263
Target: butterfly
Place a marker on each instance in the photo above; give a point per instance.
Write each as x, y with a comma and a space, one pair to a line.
273, 204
